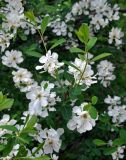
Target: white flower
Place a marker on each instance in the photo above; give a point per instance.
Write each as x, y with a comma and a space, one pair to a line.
50, 63
52, 140
81, 119
39, 152
14, 151
21, 75
98, 21
4, 40
23, 80
118, 113
119, 154
116, 35
59, 27
105, 72
12, 58
112, 101
87, 77
6, 121
54, 157
42, 99
38, 97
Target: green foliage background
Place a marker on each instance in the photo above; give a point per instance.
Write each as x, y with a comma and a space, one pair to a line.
75, 146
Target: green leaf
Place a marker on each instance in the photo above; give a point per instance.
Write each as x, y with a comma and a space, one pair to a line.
83, 33
1, 97
22, 151
58, 42
72, 65
91, 42
82, 57
122, 134
24, 138
44, 23
110, 150
30, 16
76, 50
31, 122
2, 147
99, 142
93, 112
9, 127
118, 142
6, 103
94, 100
8, 147
103, 55
33, 53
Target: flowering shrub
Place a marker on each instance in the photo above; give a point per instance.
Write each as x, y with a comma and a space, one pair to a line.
62, 92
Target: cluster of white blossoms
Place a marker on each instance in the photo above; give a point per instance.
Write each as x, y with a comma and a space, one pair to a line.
12, 58
14, 15
105, 71
14, 19
5, 40
23, 80
6, 121
116, 110
119, 154
100, 12
50, 63
81, 119
42, 99
59, 27
116, 35
84, 74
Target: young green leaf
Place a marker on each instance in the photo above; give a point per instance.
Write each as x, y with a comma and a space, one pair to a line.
33, 53
93, 112
58, 42
91, 42
30, 16
6, 103
31, 122
118, 142
44, 23
76, 50
94, 100
99, 142
9, 127
110, 150
83, 33
103, 55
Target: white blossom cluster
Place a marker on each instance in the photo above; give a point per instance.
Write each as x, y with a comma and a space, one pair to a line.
50, 63
105, 71
12, 58
119, 154
81, 119
50, 138
100, 12
84, 74
59, 27
6, 121
42, 99
14, 19
116, 110
115, 36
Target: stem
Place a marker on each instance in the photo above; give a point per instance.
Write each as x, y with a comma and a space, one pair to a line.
41, 36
